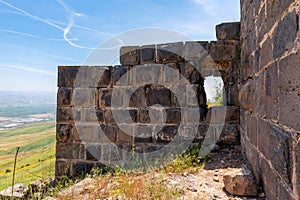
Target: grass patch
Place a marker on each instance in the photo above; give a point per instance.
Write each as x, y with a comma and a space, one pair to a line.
36, 159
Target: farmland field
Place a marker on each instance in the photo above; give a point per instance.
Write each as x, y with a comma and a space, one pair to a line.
36, 159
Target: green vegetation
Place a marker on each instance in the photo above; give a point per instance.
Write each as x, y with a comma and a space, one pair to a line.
36, 159
218, 99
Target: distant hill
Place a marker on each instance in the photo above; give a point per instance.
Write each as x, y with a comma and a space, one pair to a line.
21, 107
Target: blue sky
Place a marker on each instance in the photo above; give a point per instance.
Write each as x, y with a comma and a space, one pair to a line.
36, 36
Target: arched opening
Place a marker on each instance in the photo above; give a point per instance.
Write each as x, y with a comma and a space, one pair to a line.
214, 88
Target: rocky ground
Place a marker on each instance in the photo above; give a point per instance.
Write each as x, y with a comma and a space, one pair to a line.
206, 183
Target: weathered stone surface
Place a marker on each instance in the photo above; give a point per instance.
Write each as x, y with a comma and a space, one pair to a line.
188, 70
148, 74
130, 55
69, 151
143, 133
126, 134
240, 182
171, 73
68, 114
173, 116
259, 95
105, 97
265, 53
221, 114
80, 168
88, 132
135, 97
84, 97
228, 31
271, 88
64, 96
269, 179
67, 76
282, 41
148, 54
275, 145
224, 50
108, 133
230, 135
245, 96
111, 153
159, 95
274, 11
120, 75
62, 167
165, 134
195, 50
289, 91
64, 132
171, 52
252, 130
93, 152
18, 192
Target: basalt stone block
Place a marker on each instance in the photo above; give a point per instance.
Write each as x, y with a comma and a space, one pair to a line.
108, 133
148, 54
189, 71
67, 76
259, 95
121, 116
69, 151
280, 144
153, 115
93, 115
93, 77
193, 115
105, 98
148, 74
130, 55
64, 132
230, 135
224, 50
289, 91
271, 89
93, 152
275, 10
62, 167
68, 114
265, 53
64, 96
221, 114
171, 52
282, 41
88, 132
126, 134
252, 129
171, 73
165, 134
240, 182
270, 180
135, 97
173, 116
80, 168
245, 96
111, 153
228, 31
159, 95
84, 97
121, 75
195, 50
143, 133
